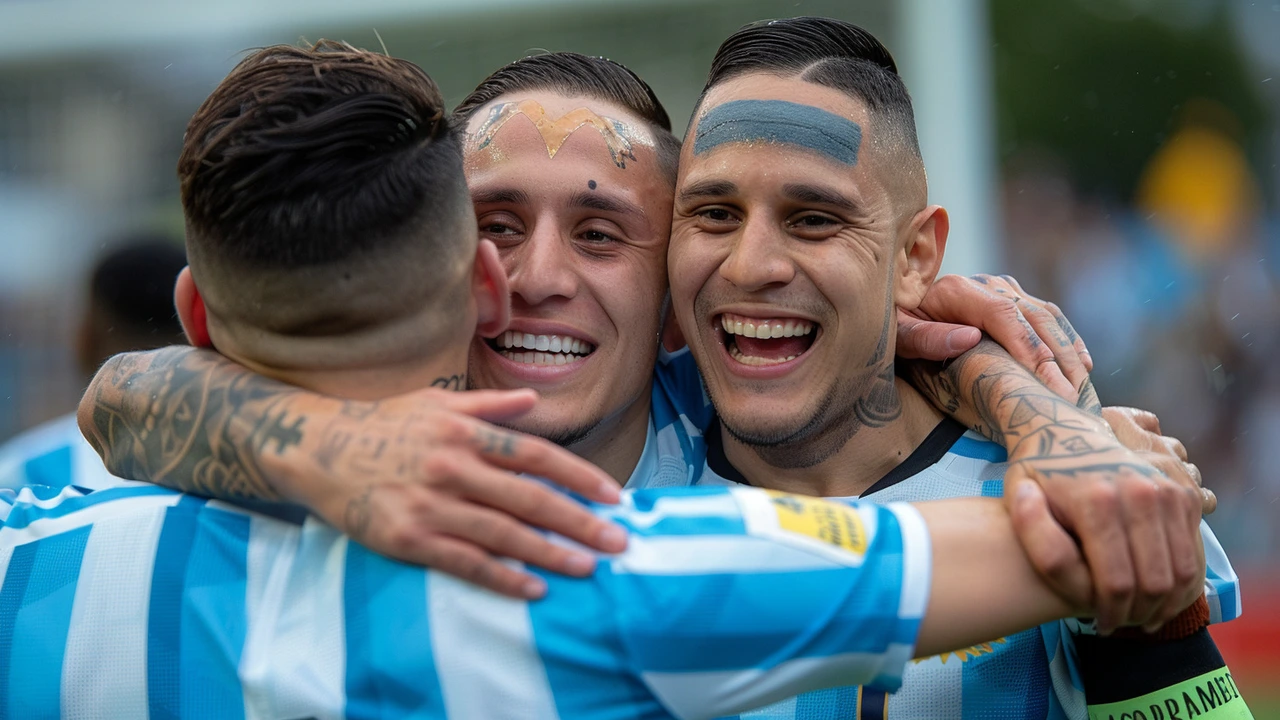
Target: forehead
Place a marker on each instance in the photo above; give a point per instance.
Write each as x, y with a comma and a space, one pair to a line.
550, 126
786, 114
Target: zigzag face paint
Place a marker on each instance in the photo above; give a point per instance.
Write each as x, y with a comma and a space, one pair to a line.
555, 131
778, 121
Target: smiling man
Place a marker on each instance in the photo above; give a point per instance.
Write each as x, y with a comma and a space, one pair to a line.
570, 168
801, 206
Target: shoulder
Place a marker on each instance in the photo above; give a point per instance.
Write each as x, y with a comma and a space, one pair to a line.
41, 455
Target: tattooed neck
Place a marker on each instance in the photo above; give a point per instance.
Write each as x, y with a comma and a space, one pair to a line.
455, 382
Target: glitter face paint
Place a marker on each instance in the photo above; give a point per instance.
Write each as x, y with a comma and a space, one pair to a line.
778, 121
555, 131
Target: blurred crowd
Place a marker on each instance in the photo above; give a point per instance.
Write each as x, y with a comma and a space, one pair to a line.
1178, 298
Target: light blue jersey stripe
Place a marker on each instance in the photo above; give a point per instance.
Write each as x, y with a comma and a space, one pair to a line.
52, 468
979, 450
41, 622
164, 620
16, 579
684, 526
588, 669
214, 619
390, 669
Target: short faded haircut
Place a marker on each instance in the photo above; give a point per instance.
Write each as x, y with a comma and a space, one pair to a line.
314, 174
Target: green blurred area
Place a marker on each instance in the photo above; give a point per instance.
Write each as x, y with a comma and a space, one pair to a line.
1103, 92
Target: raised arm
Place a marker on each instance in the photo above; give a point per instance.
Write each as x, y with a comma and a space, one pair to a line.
445, 491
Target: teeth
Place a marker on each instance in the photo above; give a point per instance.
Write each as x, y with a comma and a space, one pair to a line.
539, 358
547, 344
736, 354
765, 329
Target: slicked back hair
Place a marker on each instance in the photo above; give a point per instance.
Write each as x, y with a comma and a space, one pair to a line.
827, 52
571, 73
309, 166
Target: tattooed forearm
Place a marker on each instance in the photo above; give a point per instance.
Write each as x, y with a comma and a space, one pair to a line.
988, 391
191, 420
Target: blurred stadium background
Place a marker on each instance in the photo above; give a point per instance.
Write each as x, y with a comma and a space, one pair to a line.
1117, 156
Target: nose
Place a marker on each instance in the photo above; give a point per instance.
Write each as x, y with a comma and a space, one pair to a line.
758, 258
542, 267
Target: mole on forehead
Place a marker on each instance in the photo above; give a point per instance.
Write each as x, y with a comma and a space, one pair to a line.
779, 121
555, 131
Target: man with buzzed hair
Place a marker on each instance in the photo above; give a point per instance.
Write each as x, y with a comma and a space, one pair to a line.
325, 169
802, 205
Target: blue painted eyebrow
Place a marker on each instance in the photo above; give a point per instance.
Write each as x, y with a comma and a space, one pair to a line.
779, 121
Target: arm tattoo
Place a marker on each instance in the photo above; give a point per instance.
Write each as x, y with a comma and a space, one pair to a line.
191, 420
988, 391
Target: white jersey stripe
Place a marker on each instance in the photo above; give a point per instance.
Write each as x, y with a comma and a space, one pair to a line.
269, 559
307, 658
485, 654
114, 592
692, 555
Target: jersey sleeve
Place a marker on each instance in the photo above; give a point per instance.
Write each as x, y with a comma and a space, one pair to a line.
1221, 585
731, 598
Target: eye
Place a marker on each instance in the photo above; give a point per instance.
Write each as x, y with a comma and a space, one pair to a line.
813, 225
716, 214
503, 229
597, 236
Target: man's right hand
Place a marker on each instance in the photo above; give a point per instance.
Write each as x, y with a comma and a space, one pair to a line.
423, 478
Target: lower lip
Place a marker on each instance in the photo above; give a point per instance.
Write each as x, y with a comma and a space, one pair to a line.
762, 372
533, 373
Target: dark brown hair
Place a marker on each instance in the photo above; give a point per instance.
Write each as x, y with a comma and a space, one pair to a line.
307, 156
572, 73
826, 52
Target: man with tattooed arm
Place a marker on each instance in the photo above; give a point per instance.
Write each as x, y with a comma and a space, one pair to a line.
330, 176
488, 139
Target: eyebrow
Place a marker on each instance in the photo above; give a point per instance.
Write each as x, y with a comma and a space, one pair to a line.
819, 195
501, 195
708, 188
606, 203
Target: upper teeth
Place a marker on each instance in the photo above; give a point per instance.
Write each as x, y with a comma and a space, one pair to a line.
543, 343
766, 328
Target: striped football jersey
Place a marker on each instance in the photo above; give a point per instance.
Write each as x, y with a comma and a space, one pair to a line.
1029, 675
137, 602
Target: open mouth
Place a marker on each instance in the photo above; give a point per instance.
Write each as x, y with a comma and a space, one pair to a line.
766, 341
540, 349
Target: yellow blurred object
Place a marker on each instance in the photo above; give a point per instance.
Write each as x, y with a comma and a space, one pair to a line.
1200, 188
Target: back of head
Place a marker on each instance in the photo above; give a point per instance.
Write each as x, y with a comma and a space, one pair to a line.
827, 52
573, 74
325, 200
130, 303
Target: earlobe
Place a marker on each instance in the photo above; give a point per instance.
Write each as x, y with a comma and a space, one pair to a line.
492, 294
191, 311
925, 246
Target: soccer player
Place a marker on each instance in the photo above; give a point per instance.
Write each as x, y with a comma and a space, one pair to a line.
129, 306
330, 178
532, 245
802, 203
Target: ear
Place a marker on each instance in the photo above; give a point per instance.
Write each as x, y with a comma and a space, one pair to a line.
491, 292
186, 296
925, 244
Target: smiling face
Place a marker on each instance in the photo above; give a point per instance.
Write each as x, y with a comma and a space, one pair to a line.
571, 191
793, 228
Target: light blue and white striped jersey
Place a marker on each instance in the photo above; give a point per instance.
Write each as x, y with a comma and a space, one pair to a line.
54, 454
1030, 675
136, 602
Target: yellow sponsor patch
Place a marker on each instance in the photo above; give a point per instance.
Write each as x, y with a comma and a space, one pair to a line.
832, 523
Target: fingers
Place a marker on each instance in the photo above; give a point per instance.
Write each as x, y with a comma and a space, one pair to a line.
1186, 551
488, 405
1068, 331
1145, 516
927, 340
466, 561
1047, 326
504, 536
524, 453
534, 503
1099, 524
1208, 501
1049, 546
